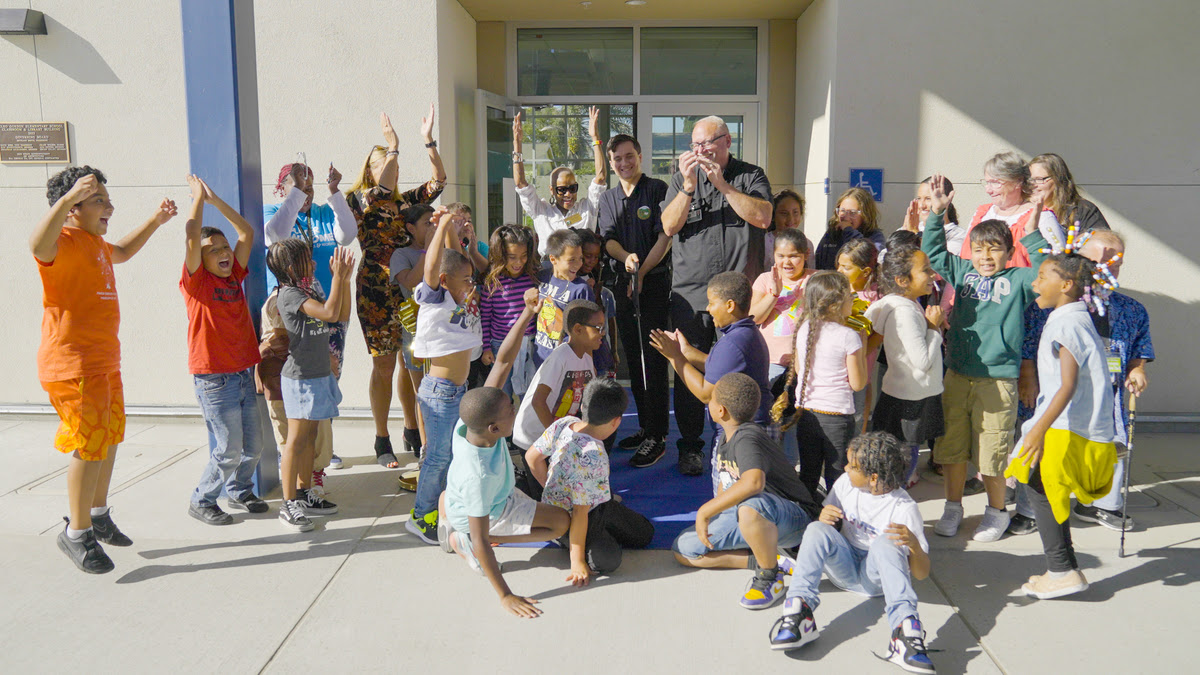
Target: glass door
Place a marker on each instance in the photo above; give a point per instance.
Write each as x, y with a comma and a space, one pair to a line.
666, 130
496, 197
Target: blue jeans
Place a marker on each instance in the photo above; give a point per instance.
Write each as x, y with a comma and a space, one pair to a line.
725, 535
522, 367
791, 449
230, 408
883, 570
439, 399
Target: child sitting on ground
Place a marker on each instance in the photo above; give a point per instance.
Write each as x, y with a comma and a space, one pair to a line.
558, 287
777, 306
739, 349
1068, 446
79, 359
979, 399
910, 403
829, 365
449, 334
310, 390
760, 505
481, 505
557, 387
879, 550
222, 353
570, 462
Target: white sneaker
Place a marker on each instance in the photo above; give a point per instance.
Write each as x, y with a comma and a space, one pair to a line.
993, 525
951, 518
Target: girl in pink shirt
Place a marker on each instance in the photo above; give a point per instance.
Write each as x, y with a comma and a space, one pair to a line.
829, 366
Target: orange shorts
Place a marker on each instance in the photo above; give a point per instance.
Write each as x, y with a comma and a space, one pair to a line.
92, 411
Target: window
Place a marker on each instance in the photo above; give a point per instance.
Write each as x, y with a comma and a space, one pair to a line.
699, 61
574, 61
671, 135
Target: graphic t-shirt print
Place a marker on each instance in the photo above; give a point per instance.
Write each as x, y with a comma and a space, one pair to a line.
570, 394
550, 317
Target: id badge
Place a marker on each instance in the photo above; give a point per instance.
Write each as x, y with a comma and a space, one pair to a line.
1114, 357
574, 219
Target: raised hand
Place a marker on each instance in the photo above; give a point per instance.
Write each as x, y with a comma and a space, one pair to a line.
714, 172
427, 125
911, 218
935, 316
688, 161
197, 188
518, 133
166, 211
594, 123
389, 134
209, 195
776, 281
941, 200
335, 177
83, 188
666, 343
531, 299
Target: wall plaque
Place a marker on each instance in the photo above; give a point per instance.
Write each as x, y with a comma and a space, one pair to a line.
34, 143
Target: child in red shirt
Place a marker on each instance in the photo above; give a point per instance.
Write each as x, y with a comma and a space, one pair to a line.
222, 353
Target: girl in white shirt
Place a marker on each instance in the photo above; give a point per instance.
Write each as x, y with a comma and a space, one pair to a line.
910, 403
564, 210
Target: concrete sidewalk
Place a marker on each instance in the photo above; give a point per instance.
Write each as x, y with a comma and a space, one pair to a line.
361, 594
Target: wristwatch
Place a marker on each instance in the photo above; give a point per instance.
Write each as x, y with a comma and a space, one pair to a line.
517, 157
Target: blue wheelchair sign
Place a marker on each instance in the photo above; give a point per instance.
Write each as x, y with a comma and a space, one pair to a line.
870, 180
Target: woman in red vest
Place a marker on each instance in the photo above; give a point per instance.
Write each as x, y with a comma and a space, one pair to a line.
1006, 181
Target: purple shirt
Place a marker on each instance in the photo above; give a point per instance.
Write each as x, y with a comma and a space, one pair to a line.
742, 349
499, 309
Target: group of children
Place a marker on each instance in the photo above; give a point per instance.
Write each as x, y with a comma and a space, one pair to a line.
784, 384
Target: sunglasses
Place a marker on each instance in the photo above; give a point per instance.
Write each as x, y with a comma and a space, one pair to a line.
567, 189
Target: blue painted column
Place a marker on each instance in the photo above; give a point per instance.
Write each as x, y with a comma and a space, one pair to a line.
220, 72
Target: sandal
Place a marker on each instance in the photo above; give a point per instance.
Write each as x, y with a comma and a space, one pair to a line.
383, 453
412, 439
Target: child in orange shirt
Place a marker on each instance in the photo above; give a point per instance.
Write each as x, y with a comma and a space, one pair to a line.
79, 360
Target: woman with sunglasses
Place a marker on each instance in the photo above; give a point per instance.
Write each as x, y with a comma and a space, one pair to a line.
564, 209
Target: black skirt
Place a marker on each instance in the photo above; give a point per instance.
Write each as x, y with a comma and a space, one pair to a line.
911, 421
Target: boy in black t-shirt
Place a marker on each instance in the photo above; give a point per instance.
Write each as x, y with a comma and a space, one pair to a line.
760, 504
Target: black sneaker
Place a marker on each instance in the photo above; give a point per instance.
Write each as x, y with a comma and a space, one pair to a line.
108, 532
650, 451
632, 442
907, 647
1109, 519
315, 505
1020, 525
291, 514
796, 627
85, 552
973, 486
249, 503
210, 515
691, 462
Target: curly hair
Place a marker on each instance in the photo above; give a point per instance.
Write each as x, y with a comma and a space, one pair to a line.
732, 286
501, 239
62, 182
1076, 269
880, 456
740, 395
824, 296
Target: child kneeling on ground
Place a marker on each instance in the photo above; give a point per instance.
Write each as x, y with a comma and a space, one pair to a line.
870, 540
570, 462
760, 504
480, 504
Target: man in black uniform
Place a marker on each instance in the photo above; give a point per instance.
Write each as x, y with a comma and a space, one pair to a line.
716, 209
630, 224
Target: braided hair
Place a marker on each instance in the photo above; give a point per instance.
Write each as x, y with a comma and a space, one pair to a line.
1080, 271
824, 296
290, 260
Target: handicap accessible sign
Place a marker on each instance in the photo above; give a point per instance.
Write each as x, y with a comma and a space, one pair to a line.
870, 180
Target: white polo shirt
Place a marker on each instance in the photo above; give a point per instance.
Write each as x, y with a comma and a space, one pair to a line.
547, 218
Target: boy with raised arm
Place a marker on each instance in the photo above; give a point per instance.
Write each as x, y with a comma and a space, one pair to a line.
449, 334
79, 360
222, 353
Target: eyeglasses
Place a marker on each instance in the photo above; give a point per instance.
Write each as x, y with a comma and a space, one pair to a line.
599, 328
566, 189
992, 182
848, 212
1042, 180
710, 143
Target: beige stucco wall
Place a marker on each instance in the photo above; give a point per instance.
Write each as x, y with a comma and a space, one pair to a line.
781, 109
322, 84
1111, 86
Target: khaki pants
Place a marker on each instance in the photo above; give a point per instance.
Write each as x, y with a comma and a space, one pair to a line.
979, 415
323, 446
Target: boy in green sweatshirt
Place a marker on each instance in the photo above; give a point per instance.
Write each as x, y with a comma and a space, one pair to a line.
984, 357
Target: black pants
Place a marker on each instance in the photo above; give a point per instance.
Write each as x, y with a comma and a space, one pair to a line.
697, 326
612, 527
651, 399
1056, 536
822, 439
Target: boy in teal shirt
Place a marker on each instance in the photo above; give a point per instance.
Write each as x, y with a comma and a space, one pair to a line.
987, 327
